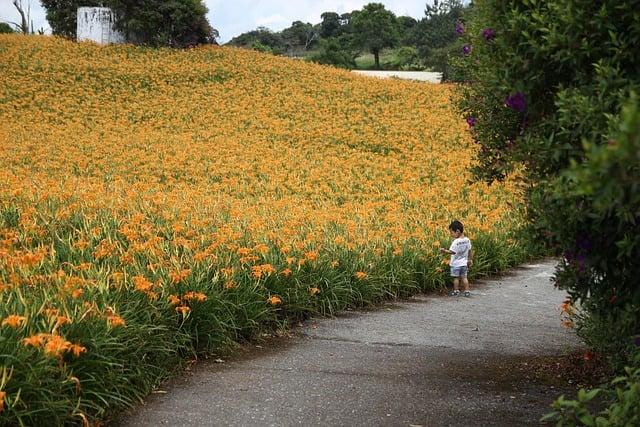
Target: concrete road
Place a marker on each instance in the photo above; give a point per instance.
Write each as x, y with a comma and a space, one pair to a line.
423, 76
431, 361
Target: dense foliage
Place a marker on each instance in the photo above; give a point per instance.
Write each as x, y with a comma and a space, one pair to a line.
552, 92
177, 23
340, 38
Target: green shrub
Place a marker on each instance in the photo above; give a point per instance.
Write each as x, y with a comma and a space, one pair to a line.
332, 52
622, 396
545, 86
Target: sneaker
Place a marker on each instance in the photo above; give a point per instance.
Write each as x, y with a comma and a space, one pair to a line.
467, 294
454, 293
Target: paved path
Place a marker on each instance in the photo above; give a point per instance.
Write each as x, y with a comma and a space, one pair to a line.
432, 361
424, 76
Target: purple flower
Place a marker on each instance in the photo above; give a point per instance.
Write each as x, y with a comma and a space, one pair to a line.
488, 34
583, 242
459, 28
471, 121
516, 102
466, 49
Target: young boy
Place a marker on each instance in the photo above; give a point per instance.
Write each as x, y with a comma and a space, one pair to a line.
461, 258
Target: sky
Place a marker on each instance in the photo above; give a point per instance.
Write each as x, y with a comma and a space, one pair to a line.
234, 17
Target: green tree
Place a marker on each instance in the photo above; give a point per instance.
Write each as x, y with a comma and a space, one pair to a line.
5, 28
330, 25
261, 36
176, 23
333, 52
299, 36
62, 15
406, 27
375, 28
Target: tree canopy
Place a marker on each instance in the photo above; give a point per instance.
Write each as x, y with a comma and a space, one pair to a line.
176, 23
374, 29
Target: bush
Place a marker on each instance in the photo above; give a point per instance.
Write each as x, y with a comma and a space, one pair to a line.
622, 396
546, 82
333, 53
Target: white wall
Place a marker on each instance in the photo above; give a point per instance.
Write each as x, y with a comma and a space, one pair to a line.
96, 24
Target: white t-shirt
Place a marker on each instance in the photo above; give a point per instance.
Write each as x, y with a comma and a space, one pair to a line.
461, 246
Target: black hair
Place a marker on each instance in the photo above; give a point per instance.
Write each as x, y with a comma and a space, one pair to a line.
456, 226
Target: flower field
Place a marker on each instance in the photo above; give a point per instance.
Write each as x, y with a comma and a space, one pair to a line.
160, 204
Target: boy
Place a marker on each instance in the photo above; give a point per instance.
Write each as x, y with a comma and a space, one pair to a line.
461, 258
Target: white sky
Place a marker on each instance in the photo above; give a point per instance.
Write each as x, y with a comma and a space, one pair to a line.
234, 17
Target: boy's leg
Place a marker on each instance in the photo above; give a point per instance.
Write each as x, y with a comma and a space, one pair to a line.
465, 282
456, 283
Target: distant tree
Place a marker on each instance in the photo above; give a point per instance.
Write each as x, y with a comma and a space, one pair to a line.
406, 25
374, 29
62, 15
24, 10
332, 52
299, 35
330, 25
437, 30
5, 28
176, 23
261, 36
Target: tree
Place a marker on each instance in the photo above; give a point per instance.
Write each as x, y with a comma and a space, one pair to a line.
375, 28
177, 23
435, 36
5, 28
332, 52
62, 15
258, 39
330, 25
406, 25
299, 35
23, 25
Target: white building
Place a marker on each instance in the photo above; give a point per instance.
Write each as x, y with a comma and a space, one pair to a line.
97, 24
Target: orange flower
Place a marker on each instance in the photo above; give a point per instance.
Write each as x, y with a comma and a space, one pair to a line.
35, 340
314, 291
3, 396
361, 275
77, 350
274, 300
14, 321
115, 320
334, 264
229, 284
183, 309
56, 345
286, 272
179, 276
142, 284
311, 255
174, 300
256, 271
198, 296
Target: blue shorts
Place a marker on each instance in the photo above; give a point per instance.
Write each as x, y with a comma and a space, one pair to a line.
459, 271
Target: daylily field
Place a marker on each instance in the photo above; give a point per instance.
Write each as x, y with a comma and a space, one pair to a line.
161, 204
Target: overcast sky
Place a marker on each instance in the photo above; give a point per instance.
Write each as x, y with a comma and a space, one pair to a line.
234, 17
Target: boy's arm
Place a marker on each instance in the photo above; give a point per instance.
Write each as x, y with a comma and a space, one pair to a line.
447, 251
470, 257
